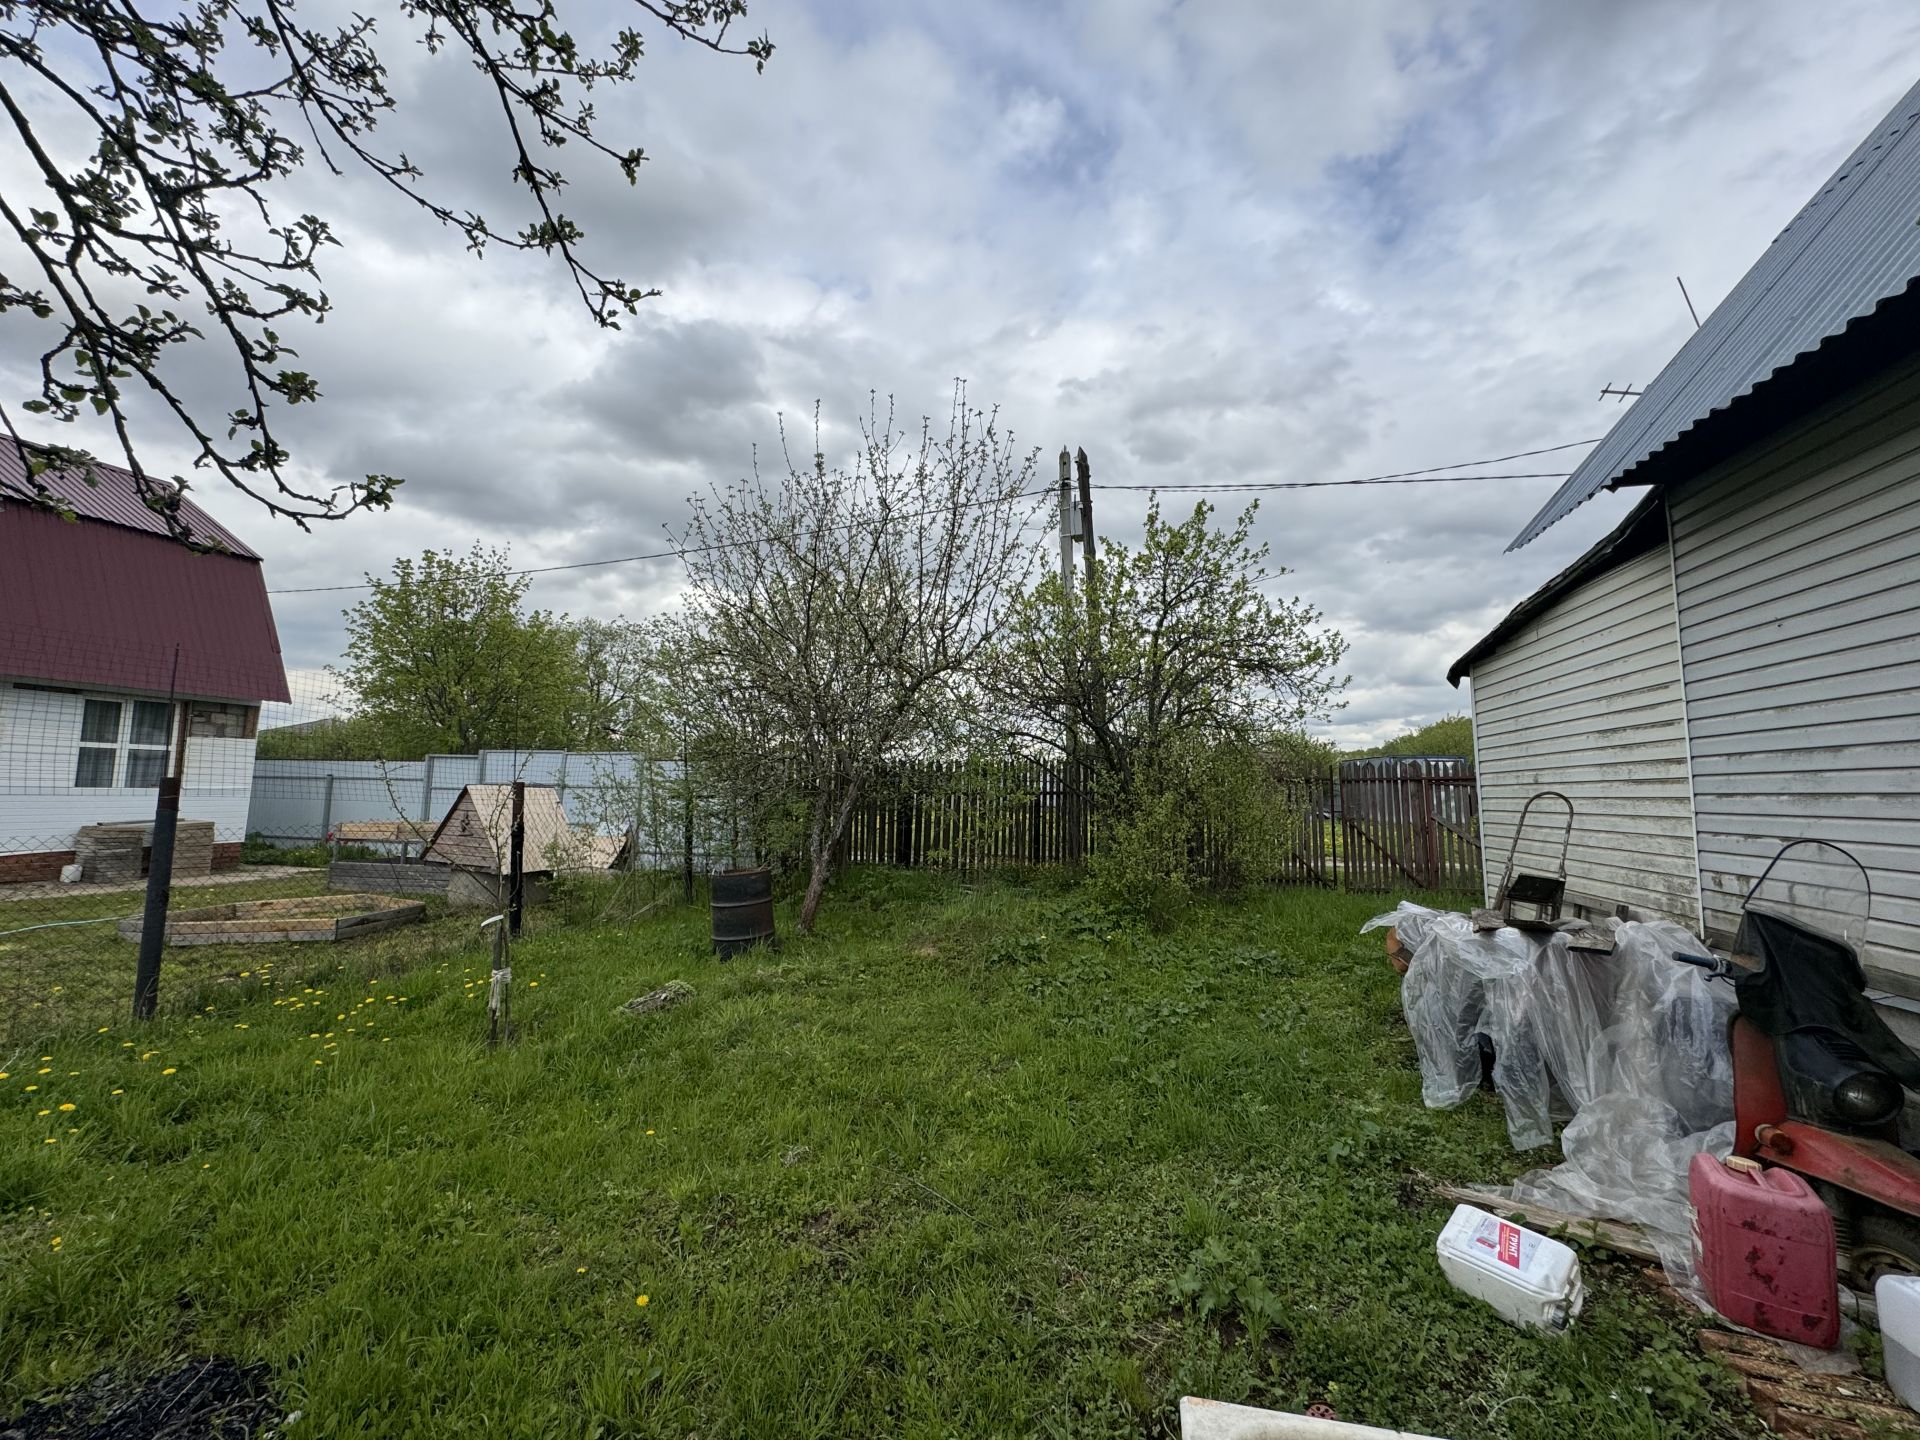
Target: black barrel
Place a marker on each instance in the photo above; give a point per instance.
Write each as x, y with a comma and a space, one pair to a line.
742, 910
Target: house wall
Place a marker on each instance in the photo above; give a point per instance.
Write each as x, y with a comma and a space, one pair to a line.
41, 807
1587, 700
1798, 584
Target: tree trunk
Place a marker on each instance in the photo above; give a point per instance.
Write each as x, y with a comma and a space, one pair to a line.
823, 837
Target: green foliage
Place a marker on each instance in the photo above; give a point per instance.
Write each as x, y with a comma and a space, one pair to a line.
345, 737
442, 658
1228, 1278
1451, 735
256, 849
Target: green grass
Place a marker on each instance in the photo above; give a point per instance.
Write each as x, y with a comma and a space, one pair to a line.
968, 1162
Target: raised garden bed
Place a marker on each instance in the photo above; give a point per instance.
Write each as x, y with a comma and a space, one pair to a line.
307, 917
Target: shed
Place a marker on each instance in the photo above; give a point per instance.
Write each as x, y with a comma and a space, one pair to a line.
1764, 641
476, 839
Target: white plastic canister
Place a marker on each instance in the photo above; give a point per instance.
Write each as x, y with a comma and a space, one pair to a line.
1897, 1297
1531, 1279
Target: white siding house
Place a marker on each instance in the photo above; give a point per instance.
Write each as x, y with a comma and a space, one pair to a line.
123, 653
1766, 687
1583, 696
1798, 570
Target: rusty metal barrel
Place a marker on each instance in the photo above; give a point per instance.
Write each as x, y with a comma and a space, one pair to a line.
742, 907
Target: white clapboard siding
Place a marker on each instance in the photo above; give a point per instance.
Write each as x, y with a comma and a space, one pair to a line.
1586, 700
1798, 585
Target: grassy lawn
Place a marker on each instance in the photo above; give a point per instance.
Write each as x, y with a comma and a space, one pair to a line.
965, 1163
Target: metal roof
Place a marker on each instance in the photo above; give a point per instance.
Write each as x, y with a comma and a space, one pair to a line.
113, 497
1854, 245
1644, 527
106, 607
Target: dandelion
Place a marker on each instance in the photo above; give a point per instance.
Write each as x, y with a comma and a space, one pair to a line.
649, 1132
45, 1070
126, 1044
3, 1074
38, 1114
533, 984
56, 1242
103, 1030
119, 1092
49, 1141
641, 1301
206, 1165
241, 1026
319, 1062
33, 1087
171, 1069
581, 1271
68, 1105
46, 1057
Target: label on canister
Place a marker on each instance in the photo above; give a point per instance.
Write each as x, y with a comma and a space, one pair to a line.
1505, 1242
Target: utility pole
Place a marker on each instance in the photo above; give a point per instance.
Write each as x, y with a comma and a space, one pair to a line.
1086, 523
1069, 524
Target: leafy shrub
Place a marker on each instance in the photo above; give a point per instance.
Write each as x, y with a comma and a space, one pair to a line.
1223, 1279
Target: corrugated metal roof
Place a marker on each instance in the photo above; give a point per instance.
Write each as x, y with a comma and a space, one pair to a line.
115, 499
1853, 246
101, 605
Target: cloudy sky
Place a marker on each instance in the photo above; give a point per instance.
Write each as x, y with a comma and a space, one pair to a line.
1213, 242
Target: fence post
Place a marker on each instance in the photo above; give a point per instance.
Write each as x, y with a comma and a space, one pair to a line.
153, 919
326, 810
516, 859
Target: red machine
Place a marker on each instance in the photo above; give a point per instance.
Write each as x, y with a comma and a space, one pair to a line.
1819, 1080
1763, 1245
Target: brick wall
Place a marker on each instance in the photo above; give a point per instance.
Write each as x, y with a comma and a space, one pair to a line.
226, 857
40, 865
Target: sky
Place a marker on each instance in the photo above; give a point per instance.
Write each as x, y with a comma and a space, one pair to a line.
1211, 243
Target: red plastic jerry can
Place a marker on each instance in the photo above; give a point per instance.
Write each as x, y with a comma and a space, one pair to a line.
1763, 1245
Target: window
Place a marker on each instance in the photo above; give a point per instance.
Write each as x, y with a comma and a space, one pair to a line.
147, 743
99, 744
138, 757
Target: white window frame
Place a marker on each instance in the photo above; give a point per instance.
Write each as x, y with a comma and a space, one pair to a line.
124, 746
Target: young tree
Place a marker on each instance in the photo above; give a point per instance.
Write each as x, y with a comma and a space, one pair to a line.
442, 657
836, 610
1174, 642
1182, 687
149, 144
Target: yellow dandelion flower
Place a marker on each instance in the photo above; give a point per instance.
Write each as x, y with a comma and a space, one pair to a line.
649, 1132
68, 1105
45, 1070
581, 1271
119, 1092
103, 1030
171, 1069
319, 1062
33, 1087
56, 1242
39, 1114
206, 1165
46, 1057
49, 1141
3, 1074
640, 1300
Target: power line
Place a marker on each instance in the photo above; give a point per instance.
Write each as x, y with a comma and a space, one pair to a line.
1429, 476
1414, 479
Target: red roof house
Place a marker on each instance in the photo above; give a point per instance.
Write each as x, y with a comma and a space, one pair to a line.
118, 643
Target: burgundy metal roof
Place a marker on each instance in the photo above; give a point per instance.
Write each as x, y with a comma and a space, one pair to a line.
109, 606
114, 497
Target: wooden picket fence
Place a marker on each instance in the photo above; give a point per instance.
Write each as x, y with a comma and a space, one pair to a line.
1376, 826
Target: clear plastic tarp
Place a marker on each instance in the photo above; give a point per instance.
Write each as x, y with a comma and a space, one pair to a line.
1633, 1043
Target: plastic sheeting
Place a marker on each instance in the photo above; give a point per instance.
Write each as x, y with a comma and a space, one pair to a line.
1634, 1043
